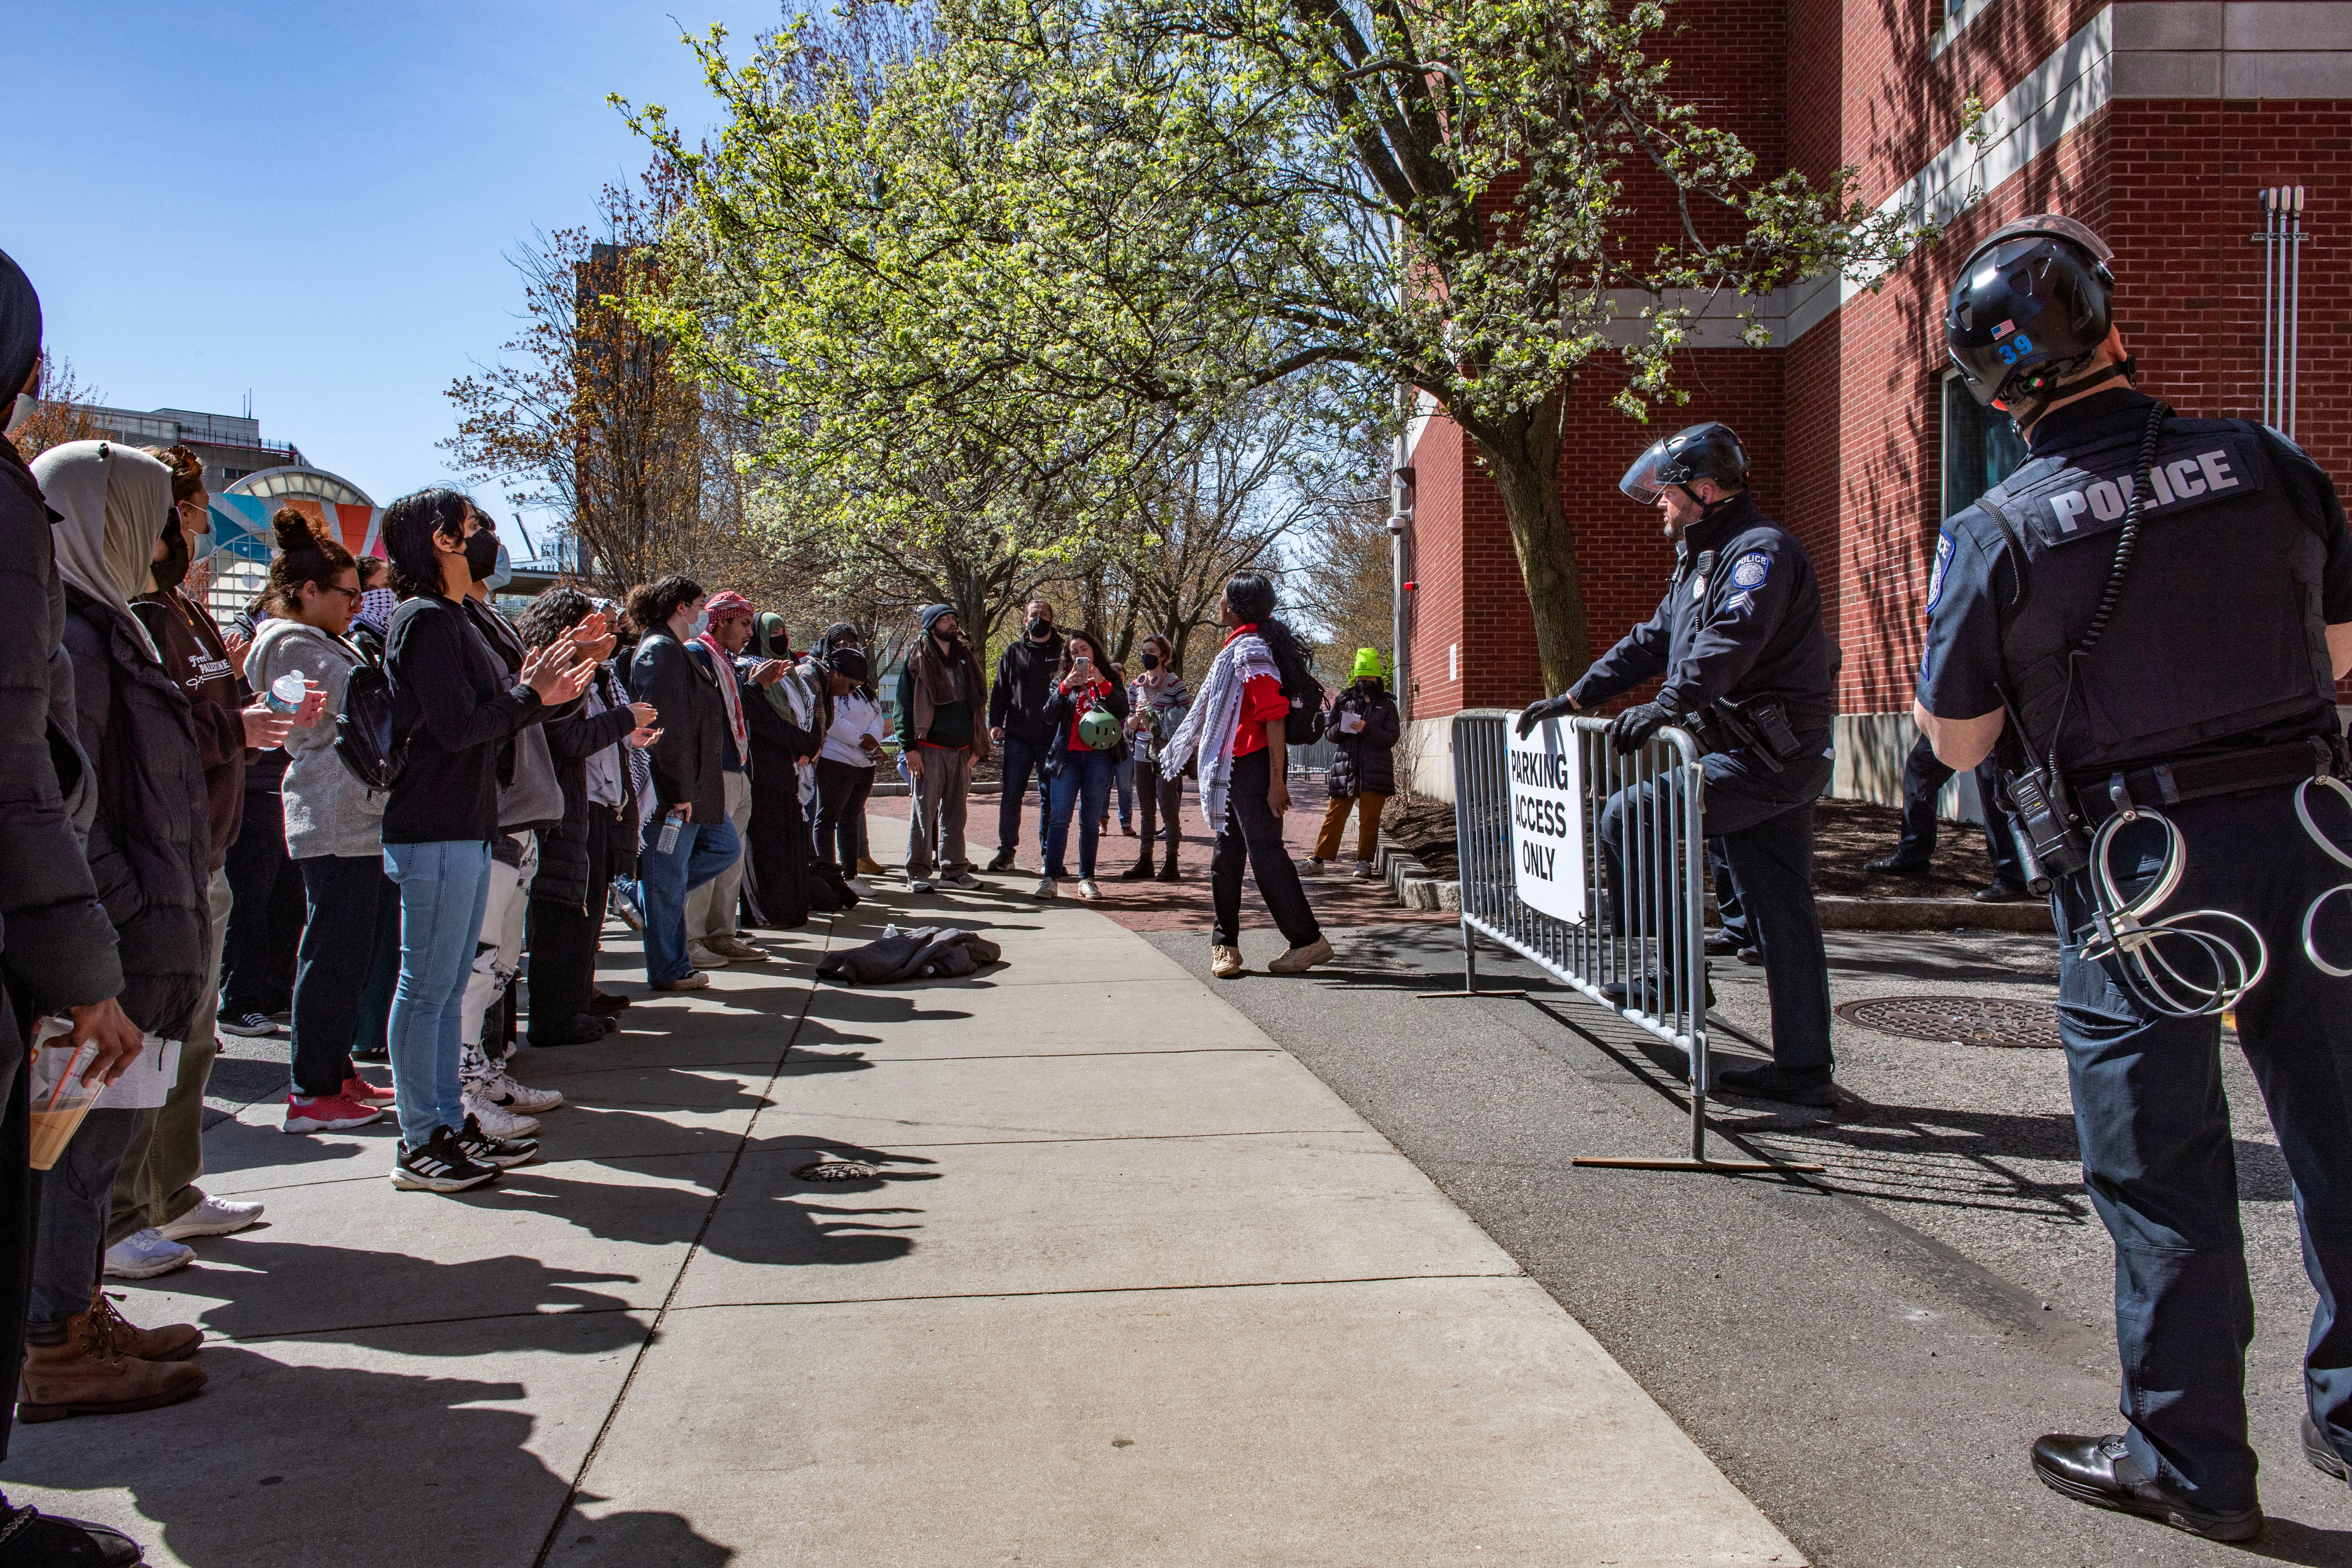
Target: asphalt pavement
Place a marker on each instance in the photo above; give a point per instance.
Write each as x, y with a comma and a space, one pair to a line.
1867, 1353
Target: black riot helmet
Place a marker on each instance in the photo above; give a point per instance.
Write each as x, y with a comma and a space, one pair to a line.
1708, 452
2032, 305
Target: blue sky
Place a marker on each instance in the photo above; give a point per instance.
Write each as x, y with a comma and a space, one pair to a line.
309, 201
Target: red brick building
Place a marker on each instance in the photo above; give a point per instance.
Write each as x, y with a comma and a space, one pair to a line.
2158, 123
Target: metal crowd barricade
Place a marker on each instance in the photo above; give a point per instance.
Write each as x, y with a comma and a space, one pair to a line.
1652, 942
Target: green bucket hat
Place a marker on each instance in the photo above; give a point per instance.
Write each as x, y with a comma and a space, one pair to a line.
1368, 662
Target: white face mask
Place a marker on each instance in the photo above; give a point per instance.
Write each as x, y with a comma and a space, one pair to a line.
20, 411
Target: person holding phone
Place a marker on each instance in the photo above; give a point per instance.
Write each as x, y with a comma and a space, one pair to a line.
1080, 758
845, 768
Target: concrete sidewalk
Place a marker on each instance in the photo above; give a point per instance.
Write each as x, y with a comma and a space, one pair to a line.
1130, 1286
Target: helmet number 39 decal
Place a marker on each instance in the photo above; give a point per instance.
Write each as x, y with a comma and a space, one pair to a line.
2017, 348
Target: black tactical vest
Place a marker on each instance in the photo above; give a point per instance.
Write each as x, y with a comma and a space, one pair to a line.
2219, 631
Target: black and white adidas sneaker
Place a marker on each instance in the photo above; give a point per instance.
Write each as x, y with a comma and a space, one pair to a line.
440, 1165
485, 1150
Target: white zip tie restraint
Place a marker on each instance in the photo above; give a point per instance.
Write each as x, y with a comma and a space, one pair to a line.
2311, 915
2126, 931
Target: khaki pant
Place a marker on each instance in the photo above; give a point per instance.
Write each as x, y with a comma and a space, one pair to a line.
938, 802
156, 1183
1368, 826
711, 910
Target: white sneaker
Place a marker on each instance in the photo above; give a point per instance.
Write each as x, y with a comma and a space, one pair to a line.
213, 1216
1367, 871
702, 957
1310, 868
857, 885
144, 1254
1046, 888
501, 1090
495, 1119
1087, 888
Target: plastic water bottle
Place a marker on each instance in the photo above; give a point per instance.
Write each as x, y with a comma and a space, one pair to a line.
667, 842
286, 693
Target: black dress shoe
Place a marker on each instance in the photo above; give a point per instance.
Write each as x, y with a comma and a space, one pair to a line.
1895, 866
2101, 1471
1767, 1082
2001, 890
2321, 1453
49, 1540
1003, 861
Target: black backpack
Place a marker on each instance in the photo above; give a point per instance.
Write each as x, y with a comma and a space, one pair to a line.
1303, 727
373, 747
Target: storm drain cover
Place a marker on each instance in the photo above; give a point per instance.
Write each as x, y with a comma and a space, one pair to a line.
1958, 1020
837, 1170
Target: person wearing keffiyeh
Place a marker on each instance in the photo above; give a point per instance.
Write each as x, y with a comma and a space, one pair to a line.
1236, 730
712, 932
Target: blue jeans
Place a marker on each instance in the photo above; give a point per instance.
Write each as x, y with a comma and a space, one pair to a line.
1020, 760
444, 887
1084, 785
704, 850
1123, 776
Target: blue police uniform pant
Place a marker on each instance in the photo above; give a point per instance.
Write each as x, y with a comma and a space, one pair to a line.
1765, 823
2158, 1159
1924, 778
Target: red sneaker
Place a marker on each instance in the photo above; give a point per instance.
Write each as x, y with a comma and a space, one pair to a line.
327, 1113
361, 1092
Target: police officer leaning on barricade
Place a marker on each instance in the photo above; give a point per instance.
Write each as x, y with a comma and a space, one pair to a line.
1748, 669
2150, 617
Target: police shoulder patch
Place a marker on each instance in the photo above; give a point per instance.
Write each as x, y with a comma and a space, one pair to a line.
1751, 568
1935, 577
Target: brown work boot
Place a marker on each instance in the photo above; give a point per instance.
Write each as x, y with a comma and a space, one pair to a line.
172, 1342
87, 1376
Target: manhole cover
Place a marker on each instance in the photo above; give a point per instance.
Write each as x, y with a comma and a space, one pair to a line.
837, 1170
1958, 1020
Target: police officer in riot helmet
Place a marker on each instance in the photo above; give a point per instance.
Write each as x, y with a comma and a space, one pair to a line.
1748, 668
2148, 619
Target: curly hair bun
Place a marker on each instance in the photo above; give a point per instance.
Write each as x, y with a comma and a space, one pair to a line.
295, 529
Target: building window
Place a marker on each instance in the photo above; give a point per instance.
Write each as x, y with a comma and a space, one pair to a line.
1979, 448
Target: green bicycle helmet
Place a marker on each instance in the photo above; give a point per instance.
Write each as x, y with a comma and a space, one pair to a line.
1099, 730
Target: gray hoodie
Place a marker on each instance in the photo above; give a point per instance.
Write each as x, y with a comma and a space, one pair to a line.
327, 810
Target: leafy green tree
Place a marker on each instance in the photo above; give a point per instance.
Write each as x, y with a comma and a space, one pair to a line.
1056, 211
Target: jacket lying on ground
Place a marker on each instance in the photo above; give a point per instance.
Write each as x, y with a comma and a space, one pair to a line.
925, 952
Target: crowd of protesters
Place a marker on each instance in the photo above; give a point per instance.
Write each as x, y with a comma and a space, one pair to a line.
364, 800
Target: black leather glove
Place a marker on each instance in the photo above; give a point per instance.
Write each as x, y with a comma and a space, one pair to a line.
1636, 725
1535, 713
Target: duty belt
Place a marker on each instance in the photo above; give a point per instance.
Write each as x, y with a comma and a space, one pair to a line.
2101, 796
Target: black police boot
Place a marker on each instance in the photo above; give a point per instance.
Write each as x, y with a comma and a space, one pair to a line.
1767, 1081
2001, 890
1897, 866
2101, 1471
2321, 1453
1142, 870
1003, 861
29, 1539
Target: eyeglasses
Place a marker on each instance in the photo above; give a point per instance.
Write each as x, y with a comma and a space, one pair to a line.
353, 594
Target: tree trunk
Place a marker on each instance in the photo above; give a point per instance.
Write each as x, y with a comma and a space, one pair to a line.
1522, 458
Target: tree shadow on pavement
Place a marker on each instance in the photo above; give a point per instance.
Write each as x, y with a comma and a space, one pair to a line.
284, 1465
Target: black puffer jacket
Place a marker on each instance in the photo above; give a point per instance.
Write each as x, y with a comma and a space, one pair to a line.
151, 843
1366, 763
59, 947
572, 739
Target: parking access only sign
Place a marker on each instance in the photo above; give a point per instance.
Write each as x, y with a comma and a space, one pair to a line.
1547, 774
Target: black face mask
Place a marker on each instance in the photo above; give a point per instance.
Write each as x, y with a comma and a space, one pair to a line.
172, 570
1151, 662
482, 554
1040, 628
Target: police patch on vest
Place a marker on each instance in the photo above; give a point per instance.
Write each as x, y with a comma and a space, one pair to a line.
1935, 576
1751, 569
2077, 503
